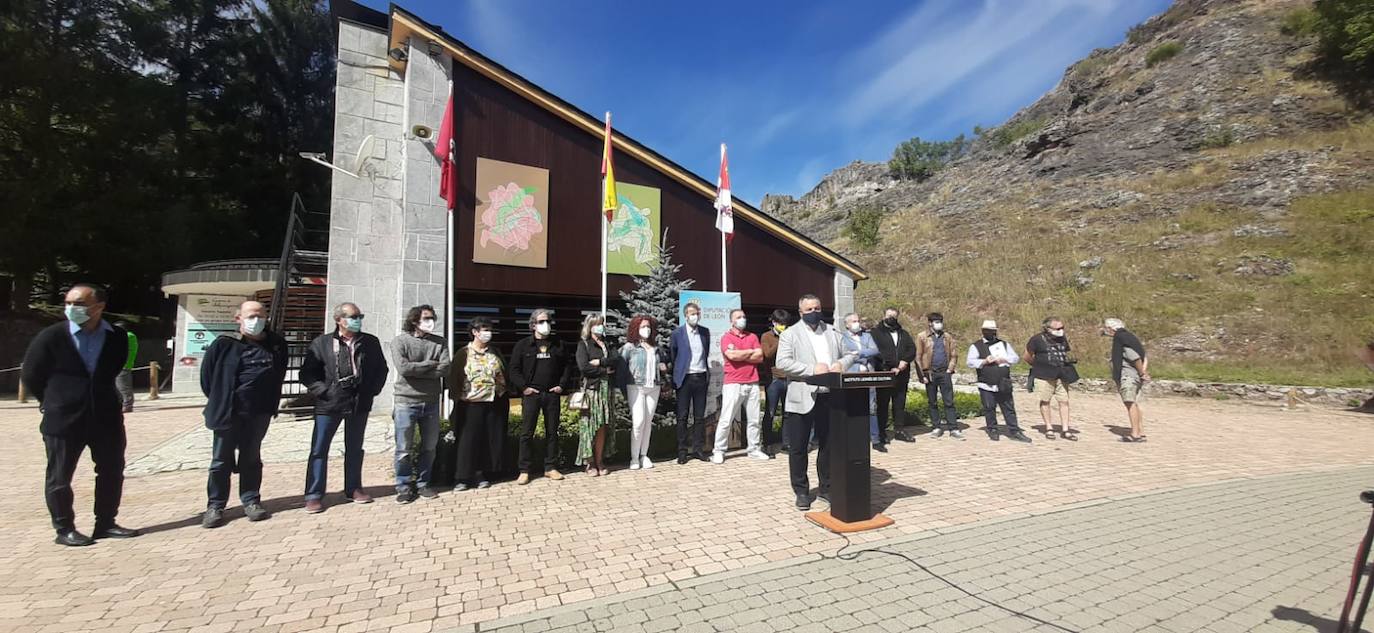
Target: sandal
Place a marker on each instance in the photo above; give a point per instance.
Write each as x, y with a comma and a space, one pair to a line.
1069, 435
593, 472
1049, 434
1140, 439
1128, 439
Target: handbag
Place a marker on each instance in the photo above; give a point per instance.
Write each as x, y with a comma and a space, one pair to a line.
578, 401
1068, 374
1030, 382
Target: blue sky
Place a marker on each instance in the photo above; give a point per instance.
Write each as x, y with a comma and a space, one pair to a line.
796, 89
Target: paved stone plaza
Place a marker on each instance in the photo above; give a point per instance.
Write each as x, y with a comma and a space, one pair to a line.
1233, 517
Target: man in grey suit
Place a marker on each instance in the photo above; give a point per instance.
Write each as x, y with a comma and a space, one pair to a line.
808, 348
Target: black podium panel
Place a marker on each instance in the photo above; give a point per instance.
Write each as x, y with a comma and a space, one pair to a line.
851, 493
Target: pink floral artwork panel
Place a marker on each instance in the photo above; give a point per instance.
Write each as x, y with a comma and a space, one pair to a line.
511, 227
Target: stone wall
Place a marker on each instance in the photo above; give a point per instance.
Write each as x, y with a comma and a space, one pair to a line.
844, 294
366, 218
424, 229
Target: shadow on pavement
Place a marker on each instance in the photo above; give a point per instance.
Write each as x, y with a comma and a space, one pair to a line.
886, 491
1303, 616
277, 505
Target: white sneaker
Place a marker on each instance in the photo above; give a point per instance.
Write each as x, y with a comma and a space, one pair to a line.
634, 465
760, 455
717, 458
644, 461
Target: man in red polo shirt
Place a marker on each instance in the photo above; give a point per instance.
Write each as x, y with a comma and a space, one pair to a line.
742, 357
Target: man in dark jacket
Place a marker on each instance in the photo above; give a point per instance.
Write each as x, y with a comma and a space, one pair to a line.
241, 378
690, 349
897, 350
1130, 371
70, 367
540, 371
344, 370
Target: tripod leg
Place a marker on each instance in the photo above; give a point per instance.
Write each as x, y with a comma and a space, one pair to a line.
1364, 606
1361, 559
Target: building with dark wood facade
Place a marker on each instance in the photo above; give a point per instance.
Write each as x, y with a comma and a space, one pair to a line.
390, 242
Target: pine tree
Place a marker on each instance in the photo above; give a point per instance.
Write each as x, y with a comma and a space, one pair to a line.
655, 294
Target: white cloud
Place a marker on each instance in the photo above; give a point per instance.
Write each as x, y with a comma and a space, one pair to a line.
921, 57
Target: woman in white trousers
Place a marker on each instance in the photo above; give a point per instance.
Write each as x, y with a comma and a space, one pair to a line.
643, 379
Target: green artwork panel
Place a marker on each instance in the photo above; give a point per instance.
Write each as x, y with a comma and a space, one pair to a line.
632, 238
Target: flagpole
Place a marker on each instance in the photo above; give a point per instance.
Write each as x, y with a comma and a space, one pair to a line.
723, 269
449, 329
605, 225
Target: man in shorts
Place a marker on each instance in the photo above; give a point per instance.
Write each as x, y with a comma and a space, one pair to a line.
1130, 370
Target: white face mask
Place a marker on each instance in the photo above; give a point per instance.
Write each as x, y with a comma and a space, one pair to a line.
484, 336
426, 325
542, 328
856, 327
599, 330
1059, 332
938, 326
253, 326
740, 323
644, 333
693, 318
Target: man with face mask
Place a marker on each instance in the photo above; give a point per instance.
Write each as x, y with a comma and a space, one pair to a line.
1130, 370
897, 352
935, 358
540, 371
422, 361
241, 378
854, 340
689, 347
1052, 373
742, 354
344, 370
776, 383
993, 358
70, 367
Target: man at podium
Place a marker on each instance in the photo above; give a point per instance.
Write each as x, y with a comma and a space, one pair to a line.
808, 348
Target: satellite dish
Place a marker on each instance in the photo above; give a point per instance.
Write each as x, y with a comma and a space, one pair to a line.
364, 153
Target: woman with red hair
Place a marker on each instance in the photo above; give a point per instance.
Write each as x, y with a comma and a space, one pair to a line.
644, 366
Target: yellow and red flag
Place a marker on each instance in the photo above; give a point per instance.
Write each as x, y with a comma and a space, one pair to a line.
609, 201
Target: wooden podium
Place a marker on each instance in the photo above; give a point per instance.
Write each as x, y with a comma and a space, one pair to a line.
851, 491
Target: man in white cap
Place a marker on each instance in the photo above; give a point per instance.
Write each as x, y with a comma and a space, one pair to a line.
992, 358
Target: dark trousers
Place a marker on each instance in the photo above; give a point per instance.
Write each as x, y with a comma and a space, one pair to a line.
317, 469
993, 400
124, 384
892, 403
692, 394
942, 385
482, 440
245, 438
530, 408
64, 453
798, 427
773, 398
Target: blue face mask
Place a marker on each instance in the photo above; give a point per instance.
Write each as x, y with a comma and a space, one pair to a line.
77, 314
354, 324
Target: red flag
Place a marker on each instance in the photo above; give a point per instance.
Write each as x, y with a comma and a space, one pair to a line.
445, 149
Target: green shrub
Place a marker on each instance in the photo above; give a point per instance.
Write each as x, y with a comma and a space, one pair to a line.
863, 226
1299, 22
1162, 53
1219, 138
918, 160
1346, 33
1011, 132
967, 405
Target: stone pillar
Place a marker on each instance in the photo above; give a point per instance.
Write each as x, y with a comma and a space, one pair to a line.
844, 294
365, 242
424, 258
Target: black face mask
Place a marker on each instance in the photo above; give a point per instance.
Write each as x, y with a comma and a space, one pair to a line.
989, 335
812, 318
891, 322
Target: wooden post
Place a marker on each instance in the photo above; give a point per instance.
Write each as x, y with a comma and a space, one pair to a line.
23, 394
152, 380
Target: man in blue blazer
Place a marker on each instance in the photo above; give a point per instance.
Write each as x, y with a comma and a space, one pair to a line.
689, 348
71, 367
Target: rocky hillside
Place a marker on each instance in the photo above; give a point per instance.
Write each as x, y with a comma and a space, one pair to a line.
1193, 180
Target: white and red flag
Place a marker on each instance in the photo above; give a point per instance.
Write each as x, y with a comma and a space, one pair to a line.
725, 213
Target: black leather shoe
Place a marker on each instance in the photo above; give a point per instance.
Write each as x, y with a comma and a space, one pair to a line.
1019, 436
903, 436
880, 447
683, 459
702, 456
114, 531
72, 538
803, 502
992, 434
823, 495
